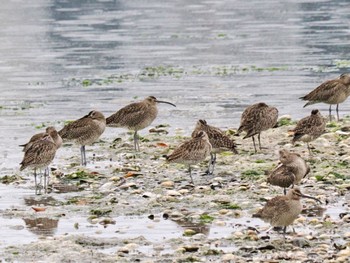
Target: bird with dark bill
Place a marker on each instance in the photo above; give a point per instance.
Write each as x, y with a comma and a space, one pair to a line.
39, 155
281, 211
136, 116
192, 151
49, 130
290, 171
218, 139
309, 128
332, 92
257, 118
84, 131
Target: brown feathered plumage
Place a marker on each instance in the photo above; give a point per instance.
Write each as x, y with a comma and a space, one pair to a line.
136, 116
49, 130
218, 140
309, 128
281, 211
291, 171
39, 155
84, 131
257, 118
332, 92
192, 151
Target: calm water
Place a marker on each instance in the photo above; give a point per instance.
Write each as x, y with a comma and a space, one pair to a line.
49, 47
226, 55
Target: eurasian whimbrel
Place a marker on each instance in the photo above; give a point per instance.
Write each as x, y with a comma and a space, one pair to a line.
49, 130
218, 140
39, 155
281, 211
136, 116
309, 128
332, 92
291, 171
257, 118
192, 151
84, 131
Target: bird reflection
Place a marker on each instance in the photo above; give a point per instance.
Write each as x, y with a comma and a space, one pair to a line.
41, 226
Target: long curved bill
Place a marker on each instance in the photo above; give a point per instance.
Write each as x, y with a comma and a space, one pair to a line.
161, 101
310, 197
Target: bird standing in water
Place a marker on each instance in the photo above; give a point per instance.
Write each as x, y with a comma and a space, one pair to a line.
136, 116
39, 155
281, 211
332, 92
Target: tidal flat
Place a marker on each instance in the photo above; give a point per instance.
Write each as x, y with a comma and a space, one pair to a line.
128, 206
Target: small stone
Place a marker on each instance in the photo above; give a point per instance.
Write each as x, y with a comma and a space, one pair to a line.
167, 184
189, 232
173, 193
184, 191
223, 211
220, 223
228, 258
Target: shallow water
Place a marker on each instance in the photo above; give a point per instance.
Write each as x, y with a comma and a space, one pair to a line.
210, 58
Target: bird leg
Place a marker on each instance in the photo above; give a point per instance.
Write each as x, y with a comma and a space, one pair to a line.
83, 155
136, 142
259, 141
337, 111
308, 147
213, 161
254, 144
190, 171
46, 179
35, 182
330, 112
211, 165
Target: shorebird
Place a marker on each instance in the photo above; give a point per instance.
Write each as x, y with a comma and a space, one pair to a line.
309, 128
257, 118
218, 140
291, 171
84, 131
192, 151
136, 116
332, 92
281, 211
39, 155
49, 130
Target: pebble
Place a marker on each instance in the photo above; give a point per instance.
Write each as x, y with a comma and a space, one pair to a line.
173, 193
167, 184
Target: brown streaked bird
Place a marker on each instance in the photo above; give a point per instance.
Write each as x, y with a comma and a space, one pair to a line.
136, 116
257, 118
281, 211
332, 92
291, 171
281, 176
309, 128
49, 130
192, 151
39, 155
84, 131
218, 140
